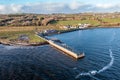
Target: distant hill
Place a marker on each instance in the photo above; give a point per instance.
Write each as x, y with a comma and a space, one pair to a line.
95, 19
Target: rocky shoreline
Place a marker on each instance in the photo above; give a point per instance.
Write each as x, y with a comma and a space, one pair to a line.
44, 43
24, 44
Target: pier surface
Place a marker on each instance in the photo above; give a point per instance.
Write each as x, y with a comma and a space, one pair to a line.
65, 50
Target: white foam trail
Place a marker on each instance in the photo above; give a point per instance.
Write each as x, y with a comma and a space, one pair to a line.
82, 74
94, 72
86, 74
91, 73
110, 64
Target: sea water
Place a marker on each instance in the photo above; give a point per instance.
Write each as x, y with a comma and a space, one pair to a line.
101, 62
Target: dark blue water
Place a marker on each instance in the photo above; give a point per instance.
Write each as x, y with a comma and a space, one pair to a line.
101, 47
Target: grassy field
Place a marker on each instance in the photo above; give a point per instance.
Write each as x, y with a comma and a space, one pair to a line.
27, 28
93, 22
16, 29
11, 35
76, 22
35, 39
109, 20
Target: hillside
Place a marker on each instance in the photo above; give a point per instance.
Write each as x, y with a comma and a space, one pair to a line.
95, 19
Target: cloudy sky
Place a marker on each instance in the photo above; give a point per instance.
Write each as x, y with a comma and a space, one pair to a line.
58, 6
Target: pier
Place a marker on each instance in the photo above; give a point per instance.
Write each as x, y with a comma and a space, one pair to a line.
65, 50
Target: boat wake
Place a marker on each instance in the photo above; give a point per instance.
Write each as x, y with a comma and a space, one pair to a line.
94, 72
110, 64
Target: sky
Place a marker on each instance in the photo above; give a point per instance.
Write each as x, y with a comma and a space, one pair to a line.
58, 6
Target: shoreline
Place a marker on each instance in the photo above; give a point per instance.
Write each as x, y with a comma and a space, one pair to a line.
72, 30
44, 43
24, 44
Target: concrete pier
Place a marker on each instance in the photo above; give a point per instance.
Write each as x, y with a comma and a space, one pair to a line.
65, 50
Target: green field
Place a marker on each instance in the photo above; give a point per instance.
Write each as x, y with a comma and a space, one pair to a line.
14, 35
109, 20
76, 22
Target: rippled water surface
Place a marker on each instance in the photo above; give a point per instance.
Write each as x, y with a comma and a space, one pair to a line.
101, 47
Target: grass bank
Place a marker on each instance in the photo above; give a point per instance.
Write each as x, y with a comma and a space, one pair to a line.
10, 35
76, 22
